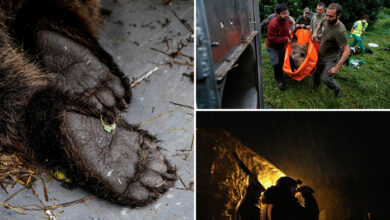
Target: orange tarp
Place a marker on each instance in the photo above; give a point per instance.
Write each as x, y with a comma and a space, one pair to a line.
303, 37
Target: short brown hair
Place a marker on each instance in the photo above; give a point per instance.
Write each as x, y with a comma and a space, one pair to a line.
336, 6
365, 17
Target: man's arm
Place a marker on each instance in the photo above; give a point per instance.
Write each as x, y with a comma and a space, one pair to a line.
267, 20
316, 31
311, 25
308, 26
269, 211
354, 26
292, 23
266, 210
299, 22
364, 29
343, 58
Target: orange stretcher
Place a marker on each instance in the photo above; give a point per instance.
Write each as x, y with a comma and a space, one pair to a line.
308, 66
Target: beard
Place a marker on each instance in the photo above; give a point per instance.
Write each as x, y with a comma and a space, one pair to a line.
283, 19
332, 22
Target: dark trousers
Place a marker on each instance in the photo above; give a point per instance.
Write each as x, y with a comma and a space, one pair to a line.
323, 68
277, 59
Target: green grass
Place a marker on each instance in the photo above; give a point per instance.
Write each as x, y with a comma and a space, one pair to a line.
364, 88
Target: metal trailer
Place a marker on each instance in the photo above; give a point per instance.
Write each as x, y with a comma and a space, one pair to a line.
228, 54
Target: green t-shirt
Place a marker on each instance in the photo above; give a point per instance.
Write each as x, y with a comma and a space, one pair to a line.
302, 20
333, 38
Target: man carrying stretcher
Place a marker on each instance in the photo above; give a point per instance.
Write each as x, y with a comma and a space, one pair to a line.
278, 36
334, 37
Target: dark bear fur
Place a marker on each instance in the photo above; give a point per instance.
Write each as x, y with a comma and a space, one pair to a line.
56, 85
298, 53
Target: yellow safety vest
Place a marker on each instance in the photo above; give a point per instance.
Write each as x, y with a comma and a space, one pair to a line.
359, 29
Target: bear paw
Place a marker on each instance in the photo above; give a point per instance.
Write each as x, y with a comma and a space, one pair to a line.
79, 72
124, 165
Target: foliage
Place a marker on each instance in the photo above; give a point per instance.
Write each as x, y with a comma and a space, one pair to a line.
353, 10
386, 3
386, 11
383, 25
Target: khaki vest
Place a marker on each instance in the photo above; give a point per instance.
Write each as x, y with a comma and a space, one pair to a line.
315, 21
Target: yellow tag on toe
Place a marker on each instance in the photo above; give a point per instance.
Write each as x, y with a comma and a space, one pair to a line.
60, 176
108, 128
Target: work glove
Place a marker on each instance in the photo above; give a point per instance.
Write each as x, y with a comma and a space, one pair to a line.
364, 36
350, 36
